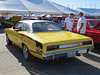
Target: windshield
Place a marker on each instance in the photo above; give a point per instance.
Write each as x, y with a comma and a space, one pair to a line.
92, 24
46, 27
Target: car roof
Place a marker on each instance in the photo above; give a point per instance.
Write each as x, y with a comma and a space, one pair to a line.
32, 21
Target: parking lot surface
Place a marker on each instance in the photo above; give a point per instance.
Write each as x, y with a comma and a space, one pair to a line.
12, 62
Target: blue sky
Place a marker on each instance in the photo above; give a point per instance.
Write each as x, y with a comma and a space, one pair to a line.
79, 3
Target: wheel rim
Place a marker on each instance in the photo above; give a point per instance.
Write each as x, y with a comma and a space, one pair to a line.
25, 52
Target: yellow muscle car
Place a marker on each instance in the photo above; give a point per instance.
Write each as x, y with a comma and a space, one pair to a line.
46, 40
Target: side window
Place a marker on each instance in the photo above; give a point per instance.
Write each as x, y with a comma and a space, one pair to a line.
19, 26
36, 27
90, 24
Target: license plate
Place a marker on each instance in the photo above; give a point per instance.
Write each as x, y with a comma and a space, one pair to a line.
71, 54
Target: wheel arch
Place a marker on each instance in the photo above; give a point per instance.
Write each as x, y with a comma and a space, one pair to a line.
6, 34
23, 45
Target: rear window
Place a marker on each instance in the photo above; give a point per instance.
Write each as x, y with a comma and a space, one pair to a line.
46, 27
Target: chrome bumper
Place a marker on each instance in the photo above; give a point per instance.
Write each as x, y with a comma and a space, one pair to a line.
62, 54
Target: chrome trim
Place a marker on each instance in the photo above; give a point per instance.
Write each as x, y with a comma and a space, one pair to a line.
66, 51
68, 47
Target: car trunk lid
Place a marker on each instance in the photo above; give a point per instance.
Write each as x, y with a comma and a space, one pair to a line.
63, 36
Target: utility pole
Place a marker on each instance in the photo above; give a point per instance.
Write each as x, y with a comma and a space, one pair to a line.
85, 5
81, 5
95, 6
72, 6
90, 5
67, 5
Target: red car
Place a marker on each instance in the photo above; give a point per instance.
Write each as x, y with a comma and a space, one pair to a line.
92, 29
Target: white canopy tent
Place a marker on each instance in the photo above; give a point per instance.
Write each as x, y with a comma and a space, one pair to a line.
12, 7
63, 9
90, 11
33, 6
40, 6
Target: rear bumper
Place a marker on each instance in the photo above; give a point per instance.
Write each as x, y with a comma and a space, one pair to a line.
61, 54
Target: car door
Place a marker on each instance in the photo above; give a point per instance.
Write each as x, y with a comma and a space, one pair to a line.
12, 33
18, 28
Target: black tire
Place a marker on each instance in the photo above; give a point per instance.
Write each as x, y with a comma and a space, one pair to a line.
8, 40
26, 53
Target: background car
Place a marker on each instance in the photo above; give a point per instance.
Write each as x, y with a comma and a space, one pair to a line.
46, 40
92, 29
28, 18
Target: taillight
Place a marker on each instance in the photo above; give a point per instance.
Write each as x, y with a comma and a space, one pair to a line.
49, 48
87, 42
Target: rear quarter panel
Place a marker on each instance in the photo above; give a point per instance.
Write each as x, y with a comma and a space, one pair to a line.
31, 44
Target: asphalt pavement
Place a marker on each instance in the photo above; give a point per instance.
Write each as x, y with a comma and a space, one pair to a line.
12, 62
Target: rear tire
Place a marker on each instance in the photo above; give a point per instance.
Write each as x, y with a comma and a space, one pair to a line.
26, 53
8, 40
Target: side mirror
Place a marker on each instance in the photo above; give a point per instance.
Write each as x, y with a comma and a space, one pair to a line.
16, 30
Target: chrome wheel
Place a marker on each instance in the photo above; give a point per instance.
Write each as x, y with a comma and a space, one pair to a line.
25, 52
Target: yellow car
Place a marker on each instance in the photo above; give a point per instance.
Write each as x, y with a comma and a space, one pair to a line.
46, 40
